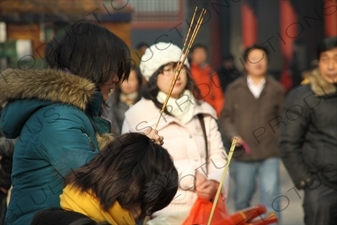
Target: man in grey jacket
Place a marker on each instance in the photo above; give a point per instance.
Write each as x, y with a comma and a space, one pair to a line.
308, 141
252, 114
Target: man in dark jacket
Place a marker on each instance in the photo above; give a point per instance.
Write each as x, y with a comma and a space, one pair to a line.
251, 114
308, 140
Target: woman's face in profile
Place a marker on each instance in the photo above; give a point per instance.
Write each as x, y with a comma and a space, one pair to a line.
108, 86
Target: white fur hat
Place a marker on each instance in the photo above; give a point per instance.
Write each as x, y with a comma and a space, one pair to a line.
158, 55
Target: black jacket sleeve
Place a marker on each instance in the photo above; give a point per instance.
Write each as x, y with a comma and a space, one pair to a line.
296, 119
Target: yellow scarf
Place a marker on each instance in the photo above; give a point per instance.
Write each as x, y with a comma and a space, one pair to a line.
82, 202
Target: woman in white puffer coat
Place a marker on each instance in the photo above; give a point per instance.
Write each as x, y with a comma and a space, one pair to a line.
182, 129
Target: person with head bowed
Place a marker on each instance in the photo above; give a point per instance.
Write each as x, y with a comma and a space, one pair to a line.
189, 126
130, 179
56, 114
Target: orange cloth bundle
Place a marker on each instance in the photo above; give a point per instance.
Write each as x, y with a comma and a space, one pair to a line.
270, 219
243, 217
201, 210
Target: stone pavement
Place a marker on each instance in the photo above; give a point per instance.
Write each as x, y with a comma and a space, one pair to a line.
291, 203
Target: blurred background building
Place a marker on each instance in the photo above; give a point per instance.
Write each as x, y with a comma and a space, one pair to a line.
27, 26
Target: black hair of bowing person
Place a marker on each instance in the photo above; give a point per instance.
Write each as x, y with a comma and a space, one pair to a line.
130, 179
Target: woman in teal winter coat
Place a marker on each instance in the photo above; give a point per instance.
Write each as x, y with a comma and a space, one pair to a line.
56, 114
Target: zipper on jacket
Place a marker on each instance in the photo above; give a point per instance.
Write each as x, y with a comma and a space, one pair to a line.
92, 147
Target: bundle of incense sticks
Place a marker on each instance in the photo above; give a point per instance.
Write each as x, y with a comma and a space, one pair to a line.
183, 56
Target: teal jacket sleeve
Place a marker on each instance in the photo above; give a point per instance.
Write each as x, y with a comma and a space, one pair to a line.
68, 141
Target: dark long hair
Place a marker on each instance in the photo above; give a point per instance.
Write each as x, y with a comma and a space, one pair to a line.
118, 91
151, 89
89, 51
131, 170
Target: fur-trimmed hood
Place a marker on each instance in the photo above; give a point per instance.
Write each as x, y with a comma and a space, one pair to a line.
319, 86
42, 88
49, 85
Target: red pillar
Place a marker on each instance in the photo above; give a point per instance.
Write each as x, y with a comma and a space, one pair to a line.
288, 34
216, 45
330, 17
249, 23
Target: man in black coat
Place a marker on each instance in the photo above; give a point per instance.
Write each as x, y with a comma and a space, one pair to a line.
308, 138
